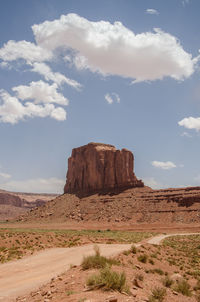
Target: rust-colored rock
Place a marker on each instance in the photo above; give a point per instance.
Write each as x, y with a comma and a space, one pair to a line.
99, 167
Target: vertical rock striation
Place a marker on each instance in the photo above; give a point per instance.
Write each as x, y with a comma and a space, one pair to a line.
99, 167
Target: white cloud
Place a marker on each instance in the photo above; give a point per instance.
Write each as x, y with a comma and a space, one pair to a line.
110, 98
38, 185
28, 51
4, 175
151, 182
190, 123
152, 11
12, 111
56, 77
163, 165
113, 49
4, 65
40, 92
186, 134
58, 114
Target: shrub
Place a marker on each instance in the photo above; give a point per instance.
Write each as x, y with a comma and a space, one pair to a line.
108, 280
183, 287
96, 261
142, 258
70, 292
126, 253
159, 271
151, 261
158, 294
133, 249
167, 282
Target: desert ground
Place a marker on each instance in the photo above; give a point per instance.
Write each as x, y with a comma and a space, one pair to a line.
44, 263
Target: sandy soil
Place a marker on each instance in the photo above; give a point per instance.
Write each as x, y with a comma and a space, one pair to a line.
22, 276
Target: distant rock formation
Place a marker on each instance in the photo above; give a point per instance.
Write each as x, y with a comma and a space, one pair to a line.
12, 200
13, 204
99, 167
16, 201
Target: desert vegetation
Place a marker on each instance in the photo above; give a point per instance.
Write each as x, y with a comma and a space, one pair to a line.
16, 243
127, 278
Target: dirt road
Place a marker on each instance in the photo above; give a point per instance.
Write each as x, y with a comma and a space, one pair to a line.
157, 239
22, 276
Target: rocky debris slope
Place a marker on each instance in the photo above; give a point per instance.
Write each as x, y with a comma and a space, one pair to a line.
99, 167
135, 205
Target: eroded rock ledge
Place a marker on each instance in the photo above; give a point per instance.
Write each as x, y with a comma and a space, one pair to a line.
99, 167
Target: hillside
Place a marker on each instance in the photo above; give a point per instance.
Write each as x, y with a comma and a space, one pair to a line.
132, 206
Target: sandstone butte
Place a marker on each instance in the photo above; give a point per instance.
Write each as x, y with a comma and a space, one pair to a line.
102, 191
98, 167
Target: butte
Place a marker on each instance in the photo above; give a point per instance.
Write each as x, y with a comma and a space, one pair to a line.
102, 191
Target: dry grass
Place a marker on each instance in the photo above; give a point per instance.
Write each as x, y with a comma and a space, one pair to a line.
16, 243
108, 279
97, 261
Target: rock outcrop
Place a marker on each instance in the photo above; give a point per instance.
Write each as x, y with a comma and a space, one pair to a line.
99, 167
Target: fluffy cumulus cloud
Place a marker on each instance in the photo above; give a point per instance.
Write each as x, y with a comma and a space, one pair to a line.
56, 77
40, 92
38, 185
190, 123
28, 51
111, 98
113, 49
167, 165
12, 110
152, 11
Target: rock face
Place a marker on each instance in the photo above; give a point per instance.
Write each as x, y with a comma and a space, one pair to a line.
99, 167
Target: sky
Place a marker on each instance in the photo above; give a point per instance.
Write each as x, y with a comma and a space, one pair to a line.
125, 73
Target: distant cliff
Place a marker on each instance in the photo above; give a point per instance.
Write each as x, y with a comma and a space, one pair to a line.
15, 204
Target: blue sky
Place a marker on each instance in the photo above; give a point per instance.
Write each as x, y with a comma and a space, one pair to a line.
119, 72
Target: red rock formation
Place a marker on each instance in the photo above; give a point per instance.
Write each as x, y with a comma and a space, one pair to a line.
99, 167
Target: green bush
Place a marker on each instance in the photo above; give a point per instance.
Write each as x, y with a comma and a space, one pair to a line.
158, 294
151, 261
183, 287
108, 280
167, 282
133, 249
97, 261
158, 271
142, 258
